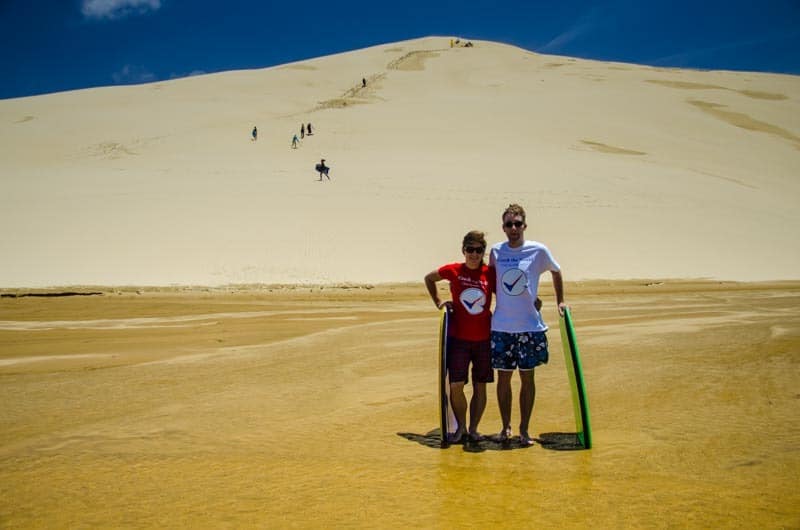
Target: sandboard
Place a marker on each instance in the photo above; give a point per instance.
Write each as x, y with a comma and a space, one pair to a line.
447, 420
443, 398
580, 401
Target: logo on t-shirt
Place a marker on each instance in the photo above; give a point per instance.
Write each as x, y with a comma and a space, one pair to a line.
514, 282
473, 300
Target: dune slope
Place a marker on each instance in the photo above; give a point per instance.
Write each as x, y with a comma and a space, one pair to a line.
626, 171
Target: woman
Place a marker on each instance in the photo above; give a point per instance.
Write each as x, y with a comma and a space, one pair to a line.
471, 287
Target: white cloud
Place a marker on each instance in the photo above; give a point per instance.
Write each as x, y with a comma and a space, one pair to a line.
132, 75
116, 9
585, 25
710, 54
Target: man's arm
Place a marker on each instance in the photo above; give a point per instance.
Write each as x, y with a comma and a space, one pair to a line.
558, 285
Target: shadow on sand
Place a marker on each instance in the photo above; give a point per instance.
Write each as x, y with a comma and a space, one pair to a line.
555, 441
560, 441
488, 443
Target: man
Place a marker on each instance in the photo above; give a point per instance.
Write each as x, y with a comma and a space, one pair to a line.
518, 331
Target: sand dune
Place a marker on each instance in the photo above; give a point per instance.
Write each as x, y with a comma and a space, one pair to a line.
627, 171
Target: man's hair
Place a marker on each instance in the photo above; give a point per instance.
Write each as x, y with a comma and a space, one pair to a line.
475, 237
514, 209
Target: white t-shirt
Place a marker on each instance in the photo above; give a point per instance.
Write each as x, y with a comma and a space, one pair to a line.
518, 270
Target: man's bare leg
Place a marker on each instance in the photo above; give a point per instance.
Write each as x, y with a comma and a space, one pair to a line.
527, 396
504, 397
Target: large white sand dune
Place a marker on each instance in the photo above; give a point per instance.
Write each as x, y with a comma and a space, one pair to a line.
626, 171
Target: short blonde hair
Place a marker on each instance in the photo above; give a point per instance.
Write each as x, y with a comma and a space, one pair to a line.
514, 209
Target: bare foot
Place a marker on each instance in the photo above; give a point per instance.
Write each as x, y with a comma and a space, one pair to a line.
457, 437
476, 437
503, 436
525, 440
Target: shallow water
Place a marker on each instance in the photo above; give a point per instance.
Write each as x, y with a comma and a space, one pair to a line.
270, 409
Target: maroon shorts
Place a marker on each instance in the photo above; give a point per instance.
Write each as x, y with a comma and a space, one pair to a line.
461, 352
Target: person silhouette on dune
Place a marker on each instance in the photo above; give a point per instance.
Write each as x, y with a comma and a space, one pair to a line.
323, 169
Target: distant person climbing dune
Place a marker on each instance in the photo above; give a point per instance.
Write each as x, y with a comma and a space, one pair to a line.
322, 169
255, 133
308, 129
295, 141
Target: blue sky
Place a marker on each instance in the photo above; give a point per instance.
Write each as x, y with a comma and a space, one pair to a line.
55, 45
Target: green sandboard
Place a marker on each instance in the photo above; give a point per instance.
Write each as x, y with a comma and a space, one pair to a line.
580, 401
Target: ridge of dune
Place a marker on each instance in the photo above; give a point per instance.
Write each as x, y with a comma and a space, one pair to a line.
626, 171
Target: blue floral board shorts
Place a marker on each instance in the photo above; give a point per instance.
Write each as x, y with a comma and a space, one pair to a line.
525, 350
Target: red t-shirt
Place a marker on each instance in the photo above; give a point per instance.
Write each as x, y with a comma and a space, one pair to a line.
472, 300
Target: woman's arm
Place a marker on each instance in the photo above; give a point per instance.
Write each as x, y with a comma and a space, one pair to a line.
430, 282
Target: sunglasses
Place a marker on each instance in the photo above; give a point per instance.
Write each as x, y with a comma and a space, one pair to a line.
515, 224
474, 250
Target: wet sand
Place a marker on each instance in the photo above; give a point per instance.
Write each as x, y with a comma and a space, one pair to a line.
298, 407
